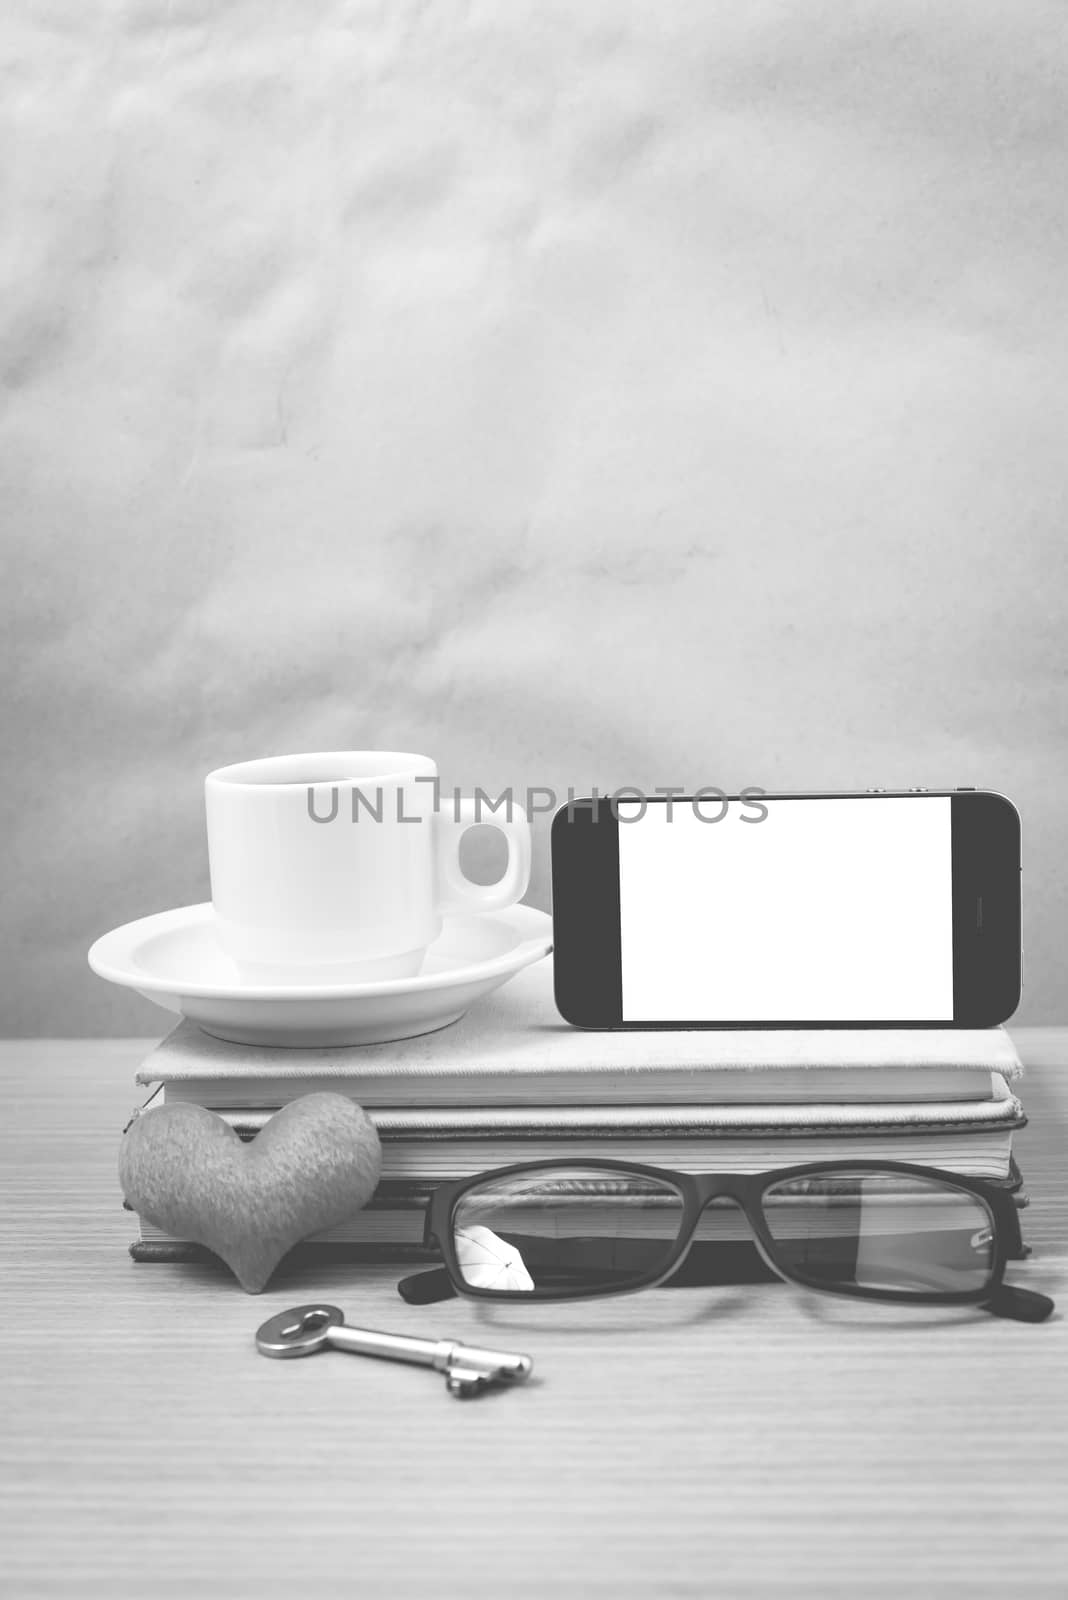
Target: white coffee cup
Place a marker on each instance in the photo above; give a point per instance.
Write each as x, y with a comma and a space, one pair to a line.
336, 867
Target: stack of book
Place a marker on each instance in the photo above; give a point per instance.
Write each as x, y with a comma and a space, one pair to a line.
510, 1082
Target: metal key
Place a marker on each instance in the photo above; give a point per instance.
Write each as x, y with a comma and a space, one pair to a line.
468, 1370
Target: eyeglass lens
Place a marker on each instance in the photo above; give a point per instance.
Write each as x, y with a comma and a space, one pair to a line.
881, 1231
565, 1229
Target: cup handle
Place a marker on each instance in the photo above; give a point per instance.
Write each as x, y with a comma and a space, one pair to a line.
457, 893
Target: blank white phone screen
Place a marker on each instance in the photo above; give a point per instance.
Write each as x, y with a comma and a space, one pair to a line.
828, 910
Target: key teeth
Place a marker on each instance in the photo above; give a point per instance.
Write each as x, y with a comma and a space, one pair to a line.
464, 1384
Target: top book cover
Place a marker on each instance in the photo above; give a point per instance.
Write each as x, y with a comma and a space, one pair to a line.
513, 1048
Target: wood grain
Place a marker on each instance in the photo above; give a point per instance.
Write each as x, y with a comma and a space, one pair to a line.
700, 1442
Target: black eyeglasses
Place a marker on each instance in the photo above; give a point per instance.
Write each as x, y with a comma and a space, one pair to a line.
881, 1230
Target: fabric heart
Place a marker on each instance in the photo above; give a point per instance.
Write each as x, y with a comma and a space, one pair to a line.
312, 1166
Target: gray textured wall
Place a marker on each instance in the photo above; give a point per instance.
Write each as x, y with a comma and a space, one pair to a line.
576, 392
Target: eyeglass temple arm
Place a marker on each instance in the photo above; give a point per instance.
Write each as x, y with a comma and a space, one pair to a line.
424, 1288
1022, 1305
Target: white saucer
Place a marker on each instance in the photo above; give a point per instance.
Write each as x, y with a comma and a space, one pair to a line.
175, 959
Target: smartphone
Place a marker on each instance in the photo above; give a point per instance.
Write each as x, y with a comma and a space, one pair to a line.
877, 909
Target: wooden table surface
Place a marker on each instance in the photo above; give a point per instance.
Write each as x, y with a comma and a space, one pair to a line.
737, 1441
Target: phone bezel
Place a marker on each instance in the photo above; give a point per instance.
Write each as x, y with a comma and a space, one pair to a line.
985, 844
